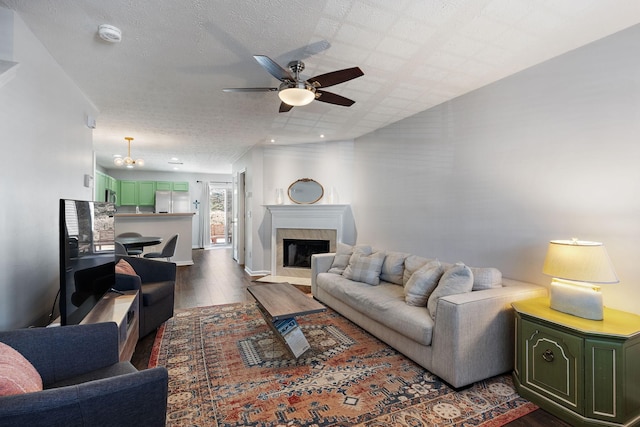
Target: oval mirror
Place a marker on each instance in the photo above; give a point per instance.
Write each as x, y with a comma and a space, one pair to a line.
305, 191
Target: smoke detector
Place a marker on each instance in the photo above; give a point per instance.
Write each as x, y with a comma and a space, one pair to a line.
110, 33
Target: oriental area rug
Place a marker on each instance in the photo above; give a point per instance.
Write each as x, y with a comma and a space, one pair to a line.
226, 368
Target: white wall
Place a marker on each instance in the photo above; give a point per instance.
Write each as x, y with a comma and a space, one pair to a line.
255, 235
329, 163
490, 177
278, 166
47, 150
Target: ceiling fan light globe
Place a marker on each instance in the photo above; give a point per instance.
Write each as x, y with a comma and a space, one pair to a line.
296, 96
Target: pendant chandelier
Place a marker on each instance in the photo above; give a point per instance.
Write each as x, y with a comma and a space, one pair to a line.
128, 161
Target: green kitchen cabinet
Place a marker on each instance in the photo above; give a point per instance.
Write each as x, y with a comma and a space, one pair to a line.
100, 185
164, 185
146, 193
137, 193
586, 372
172, 186
128, 193
180, 186
111, 183
104, 182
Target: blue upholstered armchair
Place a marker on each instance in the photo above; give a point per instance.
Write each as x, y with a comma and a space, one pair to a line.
156, 282
84, 382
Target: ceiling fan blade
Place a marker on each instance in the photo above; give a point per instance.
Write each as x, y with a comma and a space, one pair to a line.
335, 77
332, 98
285, 107
273, 68
250, 89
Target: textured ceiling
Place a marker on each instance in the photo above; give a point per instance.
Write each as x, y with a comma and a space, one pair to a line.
163, 83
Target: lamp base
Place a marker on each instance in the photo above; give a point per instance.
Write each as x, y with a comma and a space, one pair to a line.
576, 299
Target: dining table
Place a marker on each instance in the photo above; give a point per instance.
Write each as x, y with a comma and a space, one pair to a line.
131, 242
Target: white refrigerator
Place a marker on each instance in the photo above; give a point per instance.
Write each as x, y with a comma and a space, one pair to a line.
173, 202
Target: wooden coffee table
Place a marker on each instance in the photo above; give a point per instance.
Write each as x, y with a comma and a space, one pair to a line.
279, 304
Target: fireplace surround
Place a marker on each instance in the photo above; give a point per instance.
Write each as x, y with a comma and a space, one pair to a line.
305, 222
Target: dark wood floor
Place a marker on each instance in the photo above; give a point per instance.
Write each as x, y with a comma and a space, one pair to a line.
216, 279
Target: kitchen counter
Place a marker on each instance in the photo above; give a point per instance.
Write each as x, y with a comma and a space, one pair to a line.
163, 225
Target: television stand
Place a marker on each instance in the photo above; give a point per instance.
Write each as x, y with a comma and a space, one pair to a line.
123, 309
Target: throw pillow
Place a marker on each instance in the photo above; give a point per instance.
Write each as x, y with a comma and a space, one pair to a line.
393, 267
341, 259
17, 374
486, 278
123, 267
365, 268
456, 280
411, 265
422, 283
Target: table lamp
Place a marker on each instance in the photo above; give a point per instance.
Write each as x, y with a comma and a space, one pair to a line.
575, 266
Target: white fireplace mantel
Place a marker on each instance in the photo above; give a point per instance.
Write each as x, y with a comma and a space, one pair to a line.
314, 217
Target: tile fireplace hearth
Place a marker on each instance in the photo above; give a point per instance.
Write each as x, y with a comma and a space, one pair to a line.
317, 223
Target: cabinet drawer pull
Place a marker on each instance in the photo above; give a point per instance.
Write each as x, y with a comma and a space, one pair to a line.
548, 355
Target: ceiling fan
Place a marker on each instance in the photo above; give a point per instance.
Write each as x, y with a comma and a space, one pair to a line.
294, 91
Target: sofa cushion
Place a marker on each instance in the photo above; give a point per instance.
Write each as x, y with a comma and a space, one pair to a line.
422, 283
486, 278
341, 259
17, 374
411, 264
365, 268
123, 267
393, 267
383, 303
456, 280
483, 278
156, 291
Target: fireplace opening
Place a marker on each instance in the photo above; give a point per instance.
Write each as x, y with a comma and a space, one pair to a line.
297, 252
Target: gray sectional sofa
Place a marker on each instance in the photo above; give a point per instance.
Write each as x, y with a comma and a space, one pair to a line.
470, 339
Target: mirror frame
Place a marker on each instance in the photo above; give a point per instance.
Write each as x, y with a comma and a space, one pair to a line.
304, 181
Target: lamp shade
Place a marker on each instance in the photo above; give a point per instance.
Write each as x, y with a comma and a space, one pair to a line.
296, 96
579, 261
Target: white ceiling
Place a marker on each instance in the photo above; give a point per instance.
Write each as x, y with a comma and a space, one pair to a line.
163, 83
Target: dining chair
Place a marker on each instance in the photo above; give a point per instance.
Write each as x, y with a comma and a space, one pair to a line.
120, 249
133, 250
168, 250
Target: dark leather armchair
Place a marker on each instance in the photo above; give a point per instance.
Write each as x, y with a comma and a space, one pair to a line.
156, 282
84, 382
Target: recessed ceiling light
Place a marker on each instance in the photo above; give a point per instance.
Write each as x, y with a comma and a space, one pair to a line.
117, 156
322, 135
272, 141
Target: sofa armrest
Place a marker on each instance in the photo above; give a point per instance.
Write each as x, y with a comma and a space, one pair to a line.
62, 352
473, 335
127, 282
320, 263
134, 399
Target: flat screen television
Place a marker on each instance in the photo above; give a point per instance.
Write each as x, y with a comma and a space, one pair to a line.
87, 256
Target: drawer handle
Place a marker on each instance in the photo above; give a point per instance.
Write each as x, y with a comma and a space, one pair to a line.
548, 355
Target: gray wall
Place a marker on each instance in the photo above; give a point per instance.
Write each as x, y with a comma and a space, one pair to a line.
490, 177
46, 153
